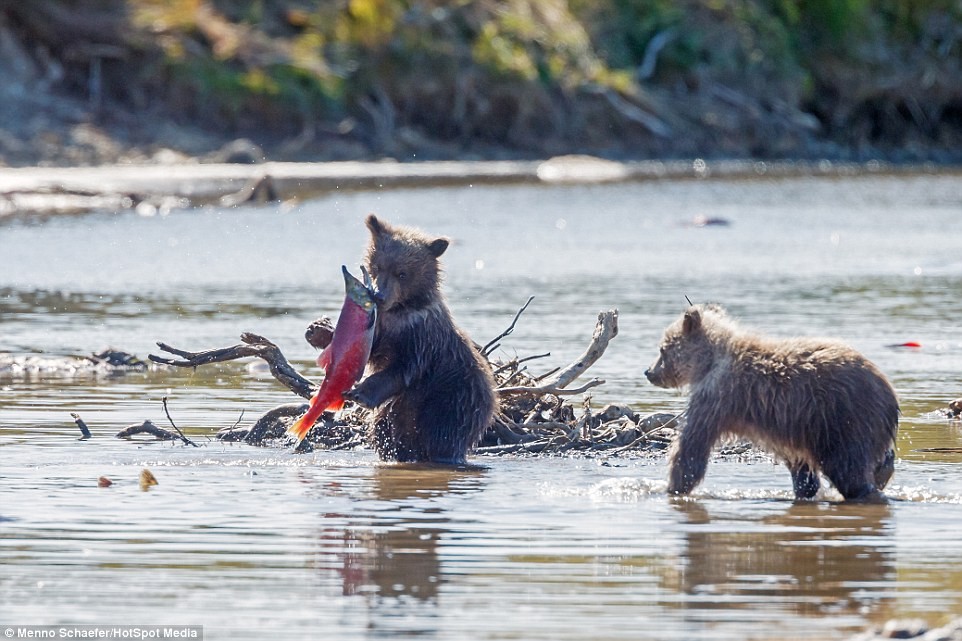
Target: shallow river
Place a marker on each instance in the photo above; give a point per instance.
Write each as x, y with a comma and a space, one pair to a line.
263, 543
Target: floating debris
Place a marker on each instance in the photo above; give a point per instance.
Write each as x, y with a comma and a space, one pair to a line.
953, 410
147, 479
912, 629
41, 366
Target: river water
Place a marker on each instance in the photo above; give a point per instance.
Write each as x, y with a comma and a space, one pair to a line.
263, 543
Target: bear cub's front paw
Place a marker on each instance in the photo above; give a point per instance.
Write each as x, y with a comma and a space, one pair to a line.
360, 396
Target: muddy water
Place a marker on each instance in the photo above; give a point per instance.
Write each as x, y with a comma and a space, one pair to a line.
258, 543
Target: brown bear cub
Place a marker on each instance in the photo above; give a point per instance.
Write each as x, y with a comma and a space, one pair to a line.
817, 404
433, 393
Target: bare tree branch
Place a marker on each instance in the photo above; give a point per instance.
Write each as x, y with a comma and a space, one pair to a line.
182, 437
605, 329
253, 345
541, 390
148, 427
493, 343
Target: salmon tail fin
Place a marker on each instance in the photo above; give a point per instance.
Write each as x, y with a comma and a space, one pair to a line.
303, 425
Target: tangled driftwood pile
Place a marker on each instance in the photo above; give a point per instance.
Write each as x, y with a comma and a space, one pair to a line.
534, 415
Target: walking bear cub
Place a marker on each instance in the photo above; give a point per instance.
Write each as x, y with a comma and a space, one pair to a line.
817, 404
433, 393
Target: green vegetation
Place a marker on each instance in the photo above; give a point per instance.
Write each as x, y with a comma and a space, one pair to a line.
532, 77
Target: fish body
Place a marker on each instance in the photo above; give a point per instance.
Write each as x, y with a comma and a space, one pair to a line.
346, 357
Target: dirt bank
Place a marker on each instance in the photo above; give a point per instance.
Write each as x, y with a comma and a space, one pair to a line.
281, 80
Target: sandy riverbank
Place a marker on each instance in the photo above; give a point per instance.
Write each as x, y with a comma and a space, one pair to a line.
50, 190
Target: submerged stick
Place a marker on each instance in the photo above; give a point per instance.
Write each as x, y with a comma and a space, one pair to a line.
182, 437
253, 345
83, 426
237, 422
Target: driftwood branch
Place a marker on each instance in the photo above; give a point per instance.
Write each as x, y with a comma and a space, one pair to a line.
147, 427
186, 440
252, 345
493, 343
661, 422
605, 329
259, 189
541, 390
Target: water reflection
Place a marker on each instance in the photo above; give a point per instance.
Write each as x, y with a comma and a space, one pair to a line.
386, 552
812, 559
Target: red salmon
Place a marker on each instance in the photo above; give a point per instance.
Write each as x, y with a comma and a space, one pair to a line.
345, 358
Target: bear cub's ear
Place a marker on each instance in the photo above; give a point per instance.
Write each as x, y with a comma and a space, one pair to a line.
438, 246
692, 322
376, 226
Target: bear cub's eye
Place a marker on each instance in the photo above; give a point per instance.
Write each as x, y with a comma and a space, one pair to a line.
402, 275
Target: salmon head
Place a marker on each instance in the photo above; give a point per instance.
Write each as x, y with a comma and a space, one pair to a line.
361, 294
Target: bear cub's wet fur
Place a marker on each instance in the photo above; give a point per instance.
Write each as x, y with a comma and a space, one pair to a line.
433, 393
817, 404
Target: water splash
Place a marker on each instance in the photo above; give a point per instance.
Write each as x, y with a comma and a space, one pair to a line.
921, 494
626, 490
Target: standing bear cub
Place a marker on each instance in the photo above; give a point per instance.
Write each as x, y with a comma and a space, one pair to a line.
432, 392
817, 404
